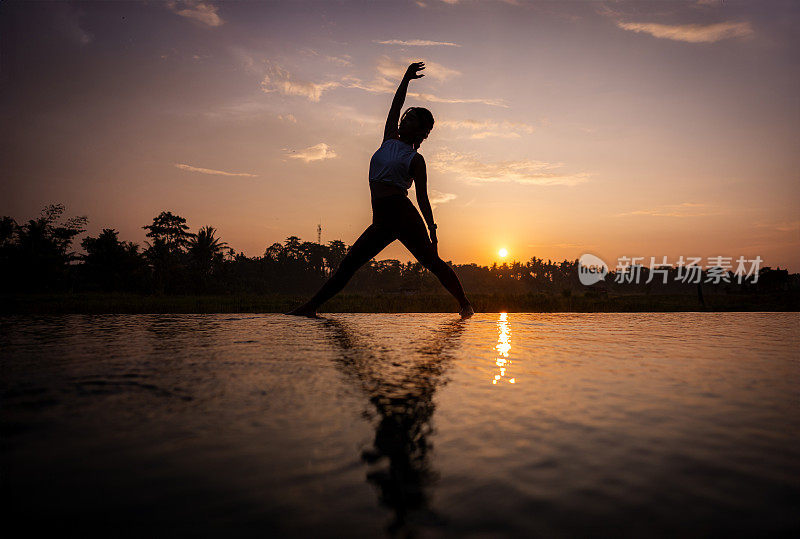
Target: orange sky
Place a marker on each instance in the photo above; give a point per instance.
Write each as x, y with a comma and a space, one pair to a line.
635, 129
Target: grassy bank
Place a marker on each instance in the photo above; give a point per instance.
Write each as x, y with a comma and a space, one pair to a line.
89, 303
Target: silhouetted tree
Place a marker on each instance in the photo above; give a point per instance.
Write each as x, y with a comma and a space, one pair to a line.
291, 248
167, 252
207, 253
36, 254
171, 230
336, 251
8, 229
274, 252
8, 250
314, 256
110, 264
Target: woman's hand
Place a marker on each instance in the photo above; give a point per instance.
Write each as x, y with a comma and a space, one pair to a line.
435, 241
411, 72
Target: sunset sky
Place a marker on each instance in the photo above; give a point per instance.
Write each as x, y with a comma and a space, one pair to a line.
614, 128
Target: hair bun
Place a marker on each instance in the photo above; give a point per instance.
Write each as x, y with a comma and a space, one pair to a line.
422, 113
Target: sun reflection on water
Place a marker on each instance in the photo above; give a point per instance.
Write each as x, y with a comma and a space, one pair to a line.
503, 347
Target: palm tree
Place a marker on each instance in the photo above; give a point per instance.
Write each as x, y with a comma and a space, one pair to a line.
206, 249
43, 246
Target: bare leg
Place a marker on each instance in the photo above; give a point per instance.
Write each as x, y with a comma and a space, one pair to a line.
371, 242
449, 279
423, 250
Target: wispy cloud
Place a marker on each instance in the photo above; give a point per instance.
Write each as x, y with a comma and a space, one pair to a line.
68, 20
389, 74
395, 69
197, 10
782, 226
691, 33
381, 85
686, 209
494, 134
469, 168
190, 168
417, 43
436, 99
488, 128
318, 152
558, 245
354, 114
343, 60
241, 110
279, 80
436, 197
246, 59
788, 226
378, 86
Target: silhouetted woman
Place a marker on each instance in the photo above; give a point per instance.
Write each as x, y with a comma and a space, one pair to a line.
392, 169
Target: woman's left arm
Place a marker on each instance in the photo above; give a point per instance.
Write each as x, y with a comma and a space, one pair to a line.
419, 173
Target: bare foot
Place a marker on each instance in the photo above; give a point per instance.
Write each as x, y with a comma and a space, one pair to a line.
304, 310
466, 311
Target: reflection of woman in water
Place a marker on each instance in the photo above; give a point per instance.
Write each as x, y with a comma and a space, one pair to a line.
401, 396
392, 170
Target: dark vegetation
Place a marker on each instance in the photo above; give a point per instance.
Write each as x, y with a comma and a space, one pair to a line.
180, 271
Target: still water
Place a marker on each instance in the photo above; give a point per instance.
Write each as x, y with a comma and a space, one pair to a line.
550, 425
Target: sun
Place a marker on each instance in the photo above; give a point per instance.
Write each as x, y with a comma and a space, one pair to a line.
503, 252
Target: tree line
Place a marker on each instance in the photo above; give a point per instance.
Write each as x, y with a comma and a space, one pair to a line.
38, 256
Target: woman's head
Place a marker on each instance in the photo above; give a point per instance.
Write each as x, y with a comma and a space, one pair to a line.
415, 125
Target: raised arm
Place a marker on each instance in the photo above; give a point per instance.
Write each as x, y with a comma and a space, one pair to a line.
419, 173
390, 131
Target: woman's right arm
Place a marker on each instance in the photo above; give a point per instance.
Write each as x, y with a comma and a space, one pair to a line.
390, 131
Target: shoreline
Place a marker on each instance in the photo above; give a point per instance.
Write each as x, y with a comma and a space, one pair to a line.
117, 303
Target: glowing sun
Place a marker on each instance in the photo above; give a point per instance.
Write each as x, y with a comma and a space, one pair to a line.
503, 252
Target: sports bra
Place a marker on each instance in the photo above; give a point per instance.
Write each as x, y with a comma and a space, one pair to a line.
390, 164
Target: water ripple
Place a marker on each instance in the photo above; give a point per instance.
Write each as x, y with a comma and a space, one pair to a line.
401, 424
